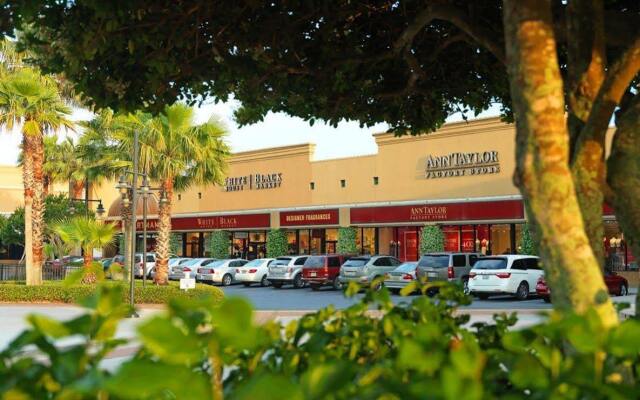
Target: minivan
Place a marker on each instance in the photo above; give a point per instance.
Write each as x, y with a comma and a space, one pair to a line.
447, 266
322, 270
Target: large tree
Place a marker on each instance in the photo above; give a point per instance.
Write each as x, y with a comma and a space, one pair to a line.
408, 63
31, 101
177, 153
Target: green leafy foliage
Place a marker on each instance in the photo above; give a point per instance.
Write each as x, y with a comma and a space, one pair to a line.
57, 292
347, 241
202, 349
277, 244
219, 245
175, 244
431, 239
527, 243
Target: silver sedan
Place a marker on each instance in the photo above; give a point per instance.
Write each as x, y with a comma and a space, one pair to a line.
401, 276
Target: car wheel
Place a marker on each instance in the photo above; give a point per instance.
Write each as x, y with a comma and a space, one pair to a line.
465, 286
247, 284
337, 285
624, 290
547, 299
482, 296
226, 280
523, 291
264, 282
315, 287
395, 291
298, 283
378, 286
276, 285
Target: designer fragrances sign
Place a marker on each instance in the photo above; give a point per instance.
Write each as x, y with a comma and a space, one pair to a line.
253, 181
462, 164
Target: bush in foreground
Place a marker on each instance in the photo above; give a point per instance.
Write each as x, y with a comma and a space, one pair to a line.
200, 349
59, 292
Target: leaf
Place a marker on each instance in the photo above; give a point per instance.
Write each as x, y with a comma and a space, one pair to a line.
170, 343
527, 373
146, 379
625, 339
48, 326
322, 379
268, 387
233, 322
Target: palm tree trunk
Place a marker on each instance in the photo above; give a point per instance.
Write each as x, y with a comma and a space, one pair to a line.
38, 203
87, 259
33, 275
164, 234
542, 161
78, 187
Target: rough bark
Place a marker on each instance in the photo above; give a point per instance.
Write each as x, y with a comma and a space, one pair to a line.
623, 177
542, 161
87, 259
585, 74
78, 188
164, 234
33, 276
38, 203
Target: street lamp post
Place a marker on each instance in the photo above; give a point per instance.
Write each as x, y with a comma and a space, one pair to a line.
99, 209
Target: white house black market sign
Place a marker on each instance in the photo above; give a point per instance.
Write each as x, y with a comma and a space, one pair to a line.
462, 164
253, 182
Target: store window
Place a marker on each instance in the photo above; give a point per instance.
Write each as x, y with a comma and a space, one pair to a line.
617, 256
292, 243
387, 243
317, 238
501, 239
192, 244
518, 236
482, 239
331, 240
239, 244
451, 237
467, 238
366, 240
304, 241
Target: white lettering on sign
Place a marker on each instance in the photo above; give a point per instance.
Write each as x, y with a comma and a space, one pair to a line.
253, 182
428, 213
462, 164
308, 217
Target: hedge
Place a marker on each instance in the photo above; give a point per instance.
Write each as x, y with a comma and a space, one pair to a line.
277, 244
57, 292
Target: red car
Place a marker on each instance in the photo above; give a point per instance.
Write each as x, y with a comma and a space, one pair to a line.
318, 271
616, 284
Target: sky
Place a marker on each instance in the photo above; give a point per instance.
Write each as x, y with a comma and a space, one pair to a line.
277, 129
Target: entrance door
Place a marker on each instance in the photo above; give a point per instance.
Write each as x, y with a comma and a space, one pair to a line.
408, 244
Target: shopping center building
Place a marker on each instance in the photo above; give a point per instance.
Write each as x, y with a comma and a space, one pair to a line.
459, 178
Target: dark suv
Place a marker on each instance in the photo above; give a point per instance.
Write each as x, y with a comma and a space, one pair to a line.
322, 270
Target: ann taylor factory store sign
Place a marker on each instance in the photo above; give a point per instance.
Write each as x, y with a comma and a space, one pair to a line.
253, 181
462, 164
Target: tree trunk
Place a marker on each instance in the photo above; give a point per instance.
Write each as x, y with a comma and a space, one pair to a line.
623, 177
87, 259
47, 185
33, 274
542, 161
585, 74
78, 187
164, 234
37, 223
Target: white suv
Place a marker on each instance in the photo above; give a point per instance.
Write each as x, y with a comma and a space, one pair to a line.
516, 275
287, 270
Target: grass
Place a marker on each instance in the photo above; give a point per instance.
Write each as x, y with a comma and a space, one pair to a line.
58, 292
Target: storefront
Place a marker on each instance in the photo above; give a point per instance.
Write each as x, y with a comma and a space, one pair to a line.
310, 231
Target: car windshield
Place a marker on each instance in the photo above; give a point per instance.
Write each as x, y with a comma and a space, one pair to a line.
255, 263
434, 261
314, 262
407, 267
281, 261
356, 262
491, 263
184, 261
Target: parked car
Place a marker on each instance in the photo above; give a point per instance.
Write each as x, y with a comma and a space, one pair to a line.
220, 271
255, 271
401, 276
516, 275
452, 267
365, 269
173, 262
616, 285
106, 263
322, 270
140, 267
188, 269
287, 271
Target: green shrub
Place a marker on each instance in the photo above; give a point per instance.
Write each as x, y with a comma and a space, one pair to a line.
527, 244
431, 240
277, 244
219, 244
175, 244
416, 350
58, 292
347, 241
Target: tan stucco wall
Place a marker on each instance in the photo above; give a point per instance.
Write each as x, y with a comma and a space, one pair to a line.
12, 191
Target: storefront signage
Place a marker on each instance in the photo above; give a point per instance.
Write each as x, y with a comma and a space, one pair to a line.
462, 164
310, 217
253, 182
485, 210
238, 221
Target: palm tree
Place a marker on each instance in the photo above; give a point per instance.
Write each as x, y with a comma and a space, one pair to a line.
177, 154
89, 234
31, 100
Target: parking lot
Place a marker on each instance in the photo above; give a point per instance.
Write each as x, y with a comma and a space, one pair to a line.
287, 298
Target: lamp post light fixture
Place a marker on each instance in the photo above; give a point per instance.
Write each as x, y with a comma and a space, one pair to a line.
100, 211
